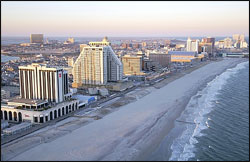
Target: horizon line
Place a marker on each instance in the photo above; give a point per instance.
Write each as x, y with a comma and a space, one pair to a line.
125, 36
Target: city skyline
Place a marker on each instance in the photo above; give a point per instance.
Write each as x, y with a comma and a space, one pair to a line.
131, 19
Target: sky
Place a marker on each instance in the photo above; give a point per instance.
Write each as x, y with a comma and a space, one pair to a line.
124, 19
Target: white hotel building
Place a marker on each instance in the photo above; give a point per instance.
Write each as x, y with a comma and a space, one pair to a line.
44, 95
37, 81
192, 45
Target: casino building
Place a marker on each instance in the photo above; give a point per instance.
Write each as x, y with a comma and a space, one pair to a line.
44, 95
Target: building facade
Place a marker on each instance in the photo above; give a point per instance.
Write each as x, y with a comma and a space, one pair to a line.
132, 65
36, 38
239, 37
163, 59
192, 45
228, 42
38, 81
96, 65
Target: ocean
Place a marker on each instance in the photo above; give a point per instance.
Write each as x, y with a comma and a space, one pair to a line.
216, 122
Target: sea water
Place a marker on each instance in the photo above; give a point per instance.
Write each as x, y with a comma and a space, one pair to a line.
220, 113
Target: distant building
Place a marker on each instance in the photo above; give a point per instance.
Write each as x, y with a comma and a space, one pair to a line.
96, 65
71, 40
206, 47
243, 44
132, 65
209, 40
183, 56
144, 44
36, 38
237, 37
136, 45
192, 45
228, 42
237, 44
239, 41
167, 42
163, 59
124, 45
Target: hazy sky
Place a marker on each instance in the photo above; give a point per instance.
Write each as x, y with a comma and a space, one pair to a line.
112, 18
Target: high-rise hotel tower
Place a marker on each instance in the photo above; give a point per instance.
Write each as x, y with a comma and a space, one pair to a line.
97, 64
38, 81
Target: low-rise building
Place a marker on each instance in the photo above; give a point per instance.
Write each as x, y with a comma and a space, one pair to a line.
183, 56
163, 59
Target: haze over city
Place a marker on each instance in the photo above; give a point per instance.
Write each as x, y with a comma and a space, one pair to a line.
92, 19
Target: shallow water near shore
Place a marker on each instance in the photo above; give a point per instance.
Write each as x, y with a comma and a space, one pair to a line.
214, 124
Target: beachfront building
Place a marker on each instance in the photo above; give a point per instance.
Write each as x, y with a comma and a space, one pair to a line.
164, 60
39, 81
184, 56
97, 64
132, 65
44, 95
36, 111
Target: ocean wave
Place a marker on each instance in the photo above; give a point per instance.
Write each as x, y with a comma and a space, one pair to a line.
183, 147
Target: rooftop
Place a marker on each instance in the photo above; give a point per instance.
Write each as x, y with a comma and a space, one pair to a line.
27, 101
188, 53
41, 66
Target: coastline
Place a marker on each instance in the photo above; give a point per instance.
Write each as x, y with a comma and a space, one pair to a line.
141, 146
176, 128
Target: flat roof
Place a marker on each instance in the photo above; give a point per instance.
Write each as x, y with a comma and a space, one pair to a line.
27, 101
83, 98
188, 53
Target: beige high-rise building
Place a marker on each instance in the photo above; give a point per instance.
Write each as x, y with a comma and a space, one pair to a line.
132, 65
97, 64
82, 46
237, 37
242, 38
36, 38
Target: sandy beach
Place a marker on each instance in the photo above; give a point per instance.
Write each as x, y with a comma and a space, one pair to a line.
131, 132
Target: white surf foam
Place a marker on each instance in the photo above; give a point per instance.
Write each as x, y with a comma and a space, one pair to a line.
183, 147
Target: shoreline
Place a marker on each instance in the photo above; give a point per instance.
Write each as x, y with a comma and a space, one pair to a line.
172, 118
177, 128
